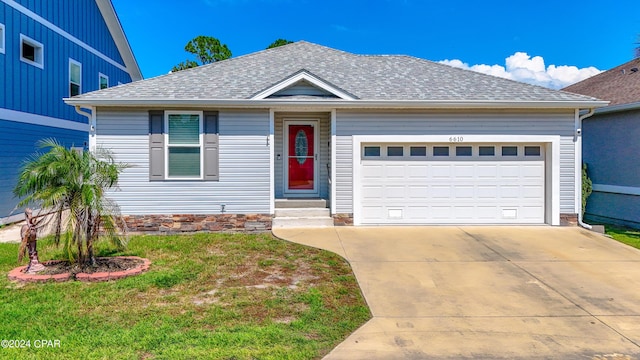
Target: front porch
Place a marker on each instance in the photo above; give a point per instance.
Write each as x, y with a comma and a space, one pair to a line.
302, 169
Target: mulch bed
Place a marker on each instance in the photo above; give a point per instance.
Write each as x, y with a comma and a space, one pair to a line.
105, 264
106, 269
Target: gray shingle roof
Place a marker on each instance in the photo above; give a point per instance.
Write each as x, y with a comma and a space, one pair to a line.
366, 77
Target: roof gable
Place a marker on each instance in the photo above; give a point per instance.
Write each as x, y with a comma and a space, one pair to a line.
303, 83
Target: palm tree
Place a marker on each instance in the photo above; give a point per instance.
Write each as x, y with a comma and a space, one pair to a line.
66, 180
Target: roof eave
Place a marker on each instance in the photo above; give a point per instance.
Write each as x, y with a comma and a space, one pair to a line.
619, 107
120, 38
338, 104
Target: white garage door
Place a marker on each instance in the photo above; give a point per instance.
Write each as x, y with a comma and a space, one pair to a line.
452, 184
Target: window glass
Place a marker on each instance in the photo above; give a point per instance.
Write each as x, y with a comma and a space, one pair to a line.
104, 82
440, 151
75, 78
463, 150
395, 151
184, 161
1, 38
532, 151
418, 151
372, 151
509, 151
184, 129
183, 146
31, 51
487, 151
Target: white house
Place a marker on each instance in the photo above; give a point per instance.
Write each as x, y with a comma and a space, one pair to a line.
374, 139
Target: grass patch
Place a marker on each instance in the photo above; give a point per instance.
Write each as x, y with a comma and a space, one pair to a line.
624, 235
209, 296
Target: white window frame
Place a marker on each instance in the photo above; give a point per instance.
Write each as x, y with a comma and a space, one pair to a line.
38, 51
167, 145
2, 41
79, 64
100, 77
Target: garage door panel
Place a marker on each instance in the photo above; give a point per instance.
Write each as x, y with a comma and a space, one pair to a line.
372, 192
487, 191
395, 192
465, 192
440, 171
441, 192
419, 192
509, 171
507, 190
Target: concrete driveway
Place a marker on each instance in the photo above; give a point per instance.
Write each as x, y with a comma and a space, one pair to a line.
488, 292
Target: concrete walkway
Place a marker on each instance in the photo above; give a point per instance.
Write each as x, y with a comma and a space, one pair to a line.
488, 292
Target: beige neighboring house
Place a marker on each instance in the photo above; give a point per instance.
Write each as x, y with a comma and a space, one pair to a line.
611, 145
357, 139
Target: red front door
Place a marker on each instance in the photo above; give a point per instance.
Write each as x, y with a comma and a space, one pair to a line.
300, 157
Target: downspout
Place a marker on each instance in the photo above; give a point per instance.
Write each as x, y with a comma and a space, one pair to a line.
578, 133
92, 125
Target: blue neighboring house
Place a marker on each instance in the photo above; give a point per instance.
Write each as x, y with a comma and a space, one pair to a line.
50, 50
611, 147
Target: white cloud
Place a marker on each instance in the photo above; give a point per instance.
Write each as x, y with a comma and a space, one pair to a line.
522, 67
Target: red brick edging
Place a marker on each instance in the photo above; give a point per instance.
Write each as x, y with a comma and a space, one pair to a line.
18, 274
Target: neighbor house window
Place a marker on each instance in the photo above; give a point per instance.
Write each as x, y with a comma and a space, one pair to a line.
75, 78
184, 144
1, 38
103, 81
31, 51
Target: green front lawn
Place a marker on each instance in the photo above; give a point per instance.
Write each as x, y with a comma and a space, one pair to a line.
206, 296
624, 235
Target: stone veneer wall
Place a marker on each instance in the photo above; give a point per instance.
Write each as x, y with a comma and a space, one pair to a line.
190, 222
342, 219
568, 219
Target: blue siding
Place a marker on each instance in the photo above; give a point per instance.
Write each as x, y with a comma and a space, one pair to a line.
80, 18
28, 89
14, 150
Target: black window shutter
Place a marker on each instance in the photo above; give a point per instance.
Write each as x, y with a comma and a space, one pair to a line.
211, 155
156, 145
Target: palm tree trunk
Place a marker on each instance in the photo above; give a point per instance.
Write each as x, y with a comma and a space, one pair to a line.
90, 238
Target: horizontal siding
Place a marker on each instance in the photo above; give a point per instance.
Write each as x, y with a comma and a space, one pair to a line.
244, 167
18, 141
449, 123
612, 208
27, 88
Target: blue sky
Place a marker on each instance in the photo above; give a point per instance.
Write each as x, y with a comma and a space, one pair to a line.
550, 43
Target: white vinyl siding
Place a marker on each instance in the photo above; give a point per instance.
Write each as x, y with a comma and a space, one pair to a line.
243, 186
351, 123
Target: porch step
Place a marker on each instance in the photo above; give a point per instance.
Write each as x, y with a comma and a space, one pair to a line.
302, 212
300, 203
298, 222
